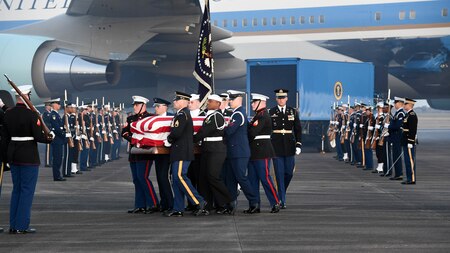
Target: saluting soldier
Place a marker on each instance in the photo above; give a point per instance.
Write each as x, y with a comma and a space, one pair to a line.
214, 151
395, 137
259, 131
181, 143
22, 131
145, 200
47, 118
286, 140
409, 141
238, 153
162, 162
59, 139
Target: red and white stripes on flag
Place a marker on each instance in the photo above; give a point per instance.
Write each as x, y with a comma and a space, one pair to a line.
152, 131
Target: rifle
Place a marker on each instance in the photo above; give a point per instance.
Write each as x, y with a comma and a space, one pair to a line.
331, 129
108, 115
105, 135
376, 136
369, 135
31, 107
97, 131
116, 135
343, 131
361, 132
386, 120
83, 130
66, 123
77, 130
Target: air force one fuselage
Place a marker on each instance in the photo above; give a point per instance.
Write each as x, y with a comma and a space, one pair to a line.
137, 44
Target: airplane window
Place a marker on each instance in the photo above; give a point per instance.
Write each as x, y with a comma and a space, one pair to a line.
255, 22
234, 23
444, 12
412, 14
264, 21
283, 20
244, 22
225, 23
401, 15
321, 19
292, 20
215, 22
311, 19
274, 21
377, 16
302, 20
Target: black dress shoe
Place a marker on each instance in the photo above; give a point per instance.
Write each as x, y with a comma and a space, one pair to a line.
385, 175
151, 210
275, 209
396, 178
68, 176
283, 206
408, 182
1, 230
252, 210
79, 172
27, 231
201, 210
172, 213
60, 179
137, 210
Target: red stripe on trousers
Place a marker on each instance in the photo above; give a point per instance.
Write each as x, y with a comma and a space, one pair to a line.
147, 169
270, 184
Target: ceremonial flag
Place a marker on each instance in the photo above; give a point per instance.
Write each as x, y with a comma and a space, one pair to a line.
204, 63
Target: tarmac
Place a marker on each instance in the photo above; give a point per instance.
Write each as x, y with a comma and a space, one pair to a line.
331, 207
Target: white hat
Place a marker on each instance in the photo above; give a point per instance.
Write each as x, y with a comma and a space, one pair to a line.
139, 99
345, 105
399, 99
215, 97
380, 104
235, 93
224, 95
25, 89
256, 96
194, 97
55, 100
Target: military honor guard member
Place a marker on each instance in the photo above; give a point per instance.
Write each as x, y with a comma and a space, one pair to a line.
356, 121
214, 151
22, 132
145, 200
3, 161
85, 122
261, 151
107, 130
47, 118
115, 119
181, 143
162, 162
238, 153
224, 107
409, 141
69, 126
59, 139
286, 140
395, 137
387, 143
369, 126
379, 151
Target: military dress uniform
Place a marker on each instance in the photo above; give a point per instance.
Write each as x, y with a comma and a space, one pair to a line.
214, 150
3, 160
48, 151
95, 138
409, 143
101, 141
286, 137
339, 122
69, 153
115, 132
356, 136
85, 154
22, 131
146, 199
261, 151
107, 143
57, 128
238, 156
395, 137
369, 126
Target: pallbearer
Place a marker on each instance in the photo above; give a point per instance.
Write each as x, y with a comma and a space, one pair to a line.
409, 141
224, 106
181, 143
259, 131
145, 200
286, 140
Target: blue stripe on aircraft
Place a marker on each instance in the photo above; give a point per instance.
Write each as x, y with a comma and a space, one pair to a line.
5, 25
337, 16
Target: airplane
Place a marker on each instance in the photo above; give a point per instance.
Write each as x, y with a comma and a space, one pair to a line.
147, 46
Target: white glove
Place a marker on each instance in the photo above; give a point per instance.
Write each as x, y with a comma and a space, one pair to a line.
84, 137
354, 125
77, 137
103, 132
68, 135
97, 125
1, 103
410, 145
97, 134
386, 135
361, 126
52, 134
115, 131
370, 128
91, 139
110, 135
386, 125
298, 151
377, 126
167, 144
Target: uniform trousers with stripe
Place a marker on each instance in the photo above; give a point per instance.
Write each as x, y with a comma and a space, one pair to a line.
66, 165
182, 186
48, 155
410, 163
397, 155
84, 156
24, 179
115, 149
284, 171
339, 151
57, 150
143, 169
259, 171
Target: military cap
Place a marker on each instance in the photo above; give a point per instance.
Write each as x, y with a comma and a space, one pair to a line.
160, 101
53, 101
139, 100
181, 96
194, 97
380, 104
235, 93
281, 93
25, 89
399, 99
257, 97
215, 97
410, 101
224, 96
